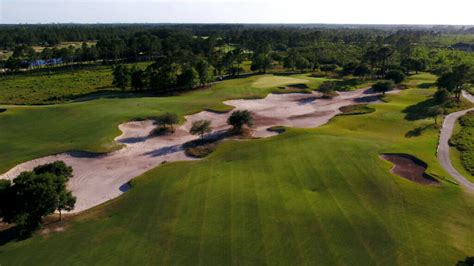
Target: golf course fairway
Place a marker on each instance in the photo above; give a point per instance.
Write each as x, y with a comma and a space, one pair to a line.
306, 196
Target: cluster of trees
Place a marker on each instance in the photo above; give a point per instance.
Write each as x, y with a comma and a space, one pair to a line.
164, 75
451, 83
202, 127
35, 194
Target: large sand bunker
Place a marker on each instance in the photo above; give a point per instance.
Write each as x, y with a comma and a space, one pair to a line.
99, 178
409, 167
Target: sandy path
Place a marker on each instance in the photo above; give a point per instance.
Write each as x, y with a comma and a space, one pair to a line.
99, 178
443, 146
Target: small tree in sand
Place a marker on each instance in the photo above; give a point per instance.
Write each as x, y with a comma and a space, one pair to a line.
167, 120
328, 89
435, 111
200, 127
240, 118
383, 86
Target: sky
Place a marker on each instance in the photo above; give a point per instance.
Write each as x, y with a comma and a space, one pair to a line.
453, 12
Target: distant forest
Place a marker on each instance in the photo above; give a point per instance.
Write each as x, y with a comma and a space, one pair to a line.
213, 50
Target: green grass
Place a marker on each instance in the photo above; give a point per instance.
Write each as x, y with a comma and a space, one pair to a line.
307, 196
275, 81
28, 132
45, 88
463, 140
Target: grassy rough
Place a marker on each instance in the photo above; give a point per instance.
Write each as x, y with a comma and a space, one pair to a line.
56, 87
283, 200
464, 141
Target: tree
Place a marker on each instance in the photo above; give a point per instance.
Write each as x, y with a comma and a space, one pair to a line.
261, 62
328, 89
456, 80
362, 70
469, 261
121, 75
13, 64
435, 111
240, 118
200, 127
58, 168
413, 64
441, 96
302, 63
189, 78
35, 194
383, 86
205, 72
396, 76
162, 74
167, 120
137, 78
383, 55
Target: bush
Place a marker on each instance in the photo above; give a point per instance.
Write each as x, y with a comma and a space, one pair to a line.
166, 122
396, 76
464, 141
356, 109
383, 86
200, 127
200, 148
240, 118
328, 67
328, 89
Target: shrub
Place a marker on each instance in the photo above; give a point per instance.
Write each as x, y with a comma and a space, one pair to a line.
200, 127
383, 86
166, 121
240, 118
200, 148
396, 76
328, 89
464, 141
356, 109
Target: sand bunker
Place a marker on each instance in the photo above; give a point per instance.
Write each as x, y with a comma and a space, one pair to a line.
99, 178
410, 167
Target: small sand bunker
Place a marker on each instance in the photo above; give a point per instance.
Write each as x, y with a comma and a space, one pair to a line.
410, 167
101, 177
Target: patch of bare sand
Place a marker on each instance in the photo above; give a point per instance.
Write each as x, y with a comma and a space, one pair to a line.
99, 178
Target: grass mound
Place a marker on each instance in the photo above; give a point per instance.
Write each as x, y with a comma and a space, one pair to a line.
464, 141
200, 148
356, 109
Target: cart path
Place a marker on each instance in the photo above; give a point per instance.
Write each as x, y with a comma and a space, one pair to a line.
443, 146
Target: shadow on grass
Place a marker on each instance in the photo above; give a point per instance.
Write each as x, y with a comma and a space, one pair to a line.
348, 84
416, 132
9, 235
108, 94
298, 86
419, 111
2, 110
426, 85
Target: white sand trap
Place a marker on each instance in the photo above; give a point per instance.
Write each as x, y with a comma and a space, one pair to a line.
99, 178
